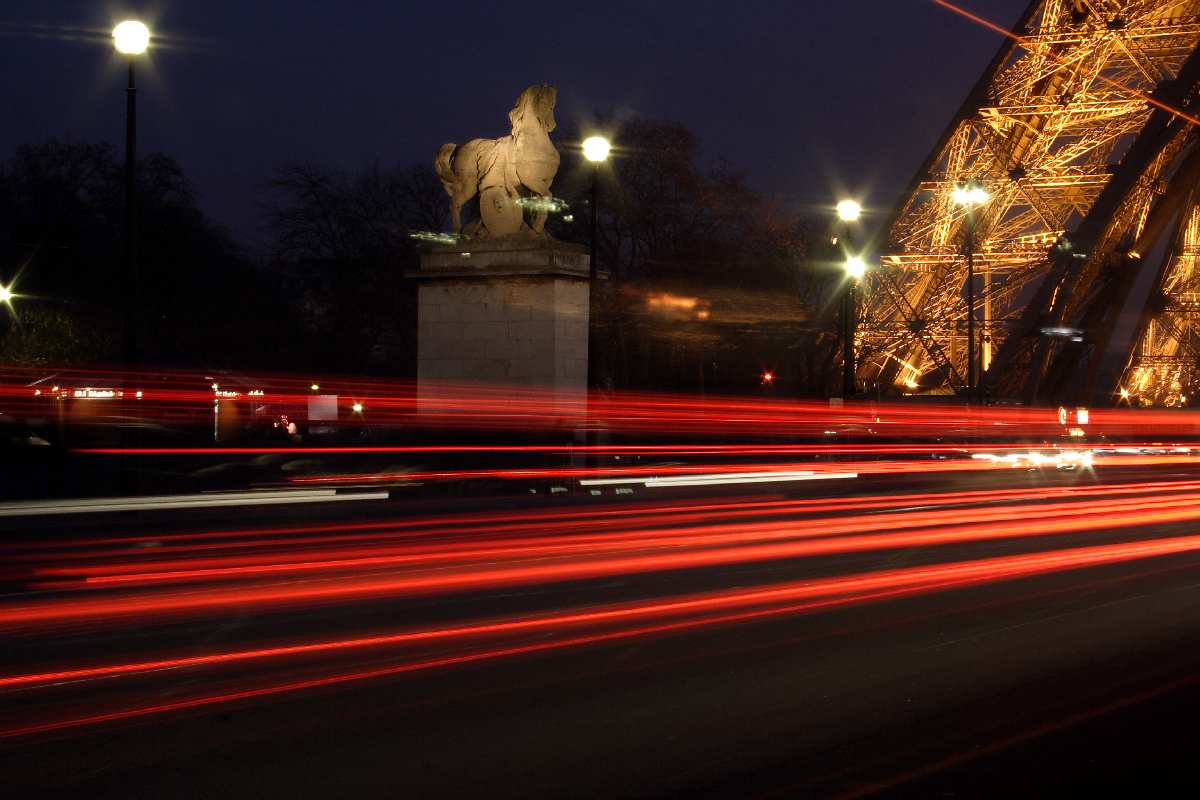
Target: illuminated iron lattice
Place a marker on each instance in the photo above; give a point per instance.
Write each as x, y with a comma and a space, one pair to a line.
1083, 130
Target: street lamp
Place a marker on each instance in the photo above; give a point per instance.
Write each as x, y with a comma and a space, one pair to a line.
848, 212
131, 38
968, 194
6, 299
595, 150
855, 268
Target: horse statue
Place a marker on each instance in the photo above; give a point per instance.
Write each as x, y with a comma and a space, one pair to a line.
507, 173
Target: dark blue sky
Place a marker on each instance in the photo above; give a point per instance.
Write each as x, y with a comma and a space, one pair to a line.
809, 99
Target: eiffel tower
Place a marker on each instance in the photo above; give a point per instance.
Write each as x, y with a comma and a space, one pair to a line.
1084, 131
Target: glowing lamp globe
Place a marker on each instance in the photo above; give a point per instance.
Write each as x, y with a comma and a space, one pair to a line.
132, 37
856, 267
848, 210
963, 195
596, 148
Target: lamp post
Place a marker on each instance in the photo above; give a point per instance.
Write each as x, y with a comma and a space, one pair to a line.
969, 194
595, 150
848, 211
131, 38
855, 267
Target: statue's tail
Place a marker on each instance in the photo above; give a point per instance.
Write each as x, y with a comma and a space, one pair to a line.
442, 164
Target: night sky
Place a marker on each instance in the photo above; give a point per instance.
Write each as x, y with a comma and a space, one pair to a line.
812, 100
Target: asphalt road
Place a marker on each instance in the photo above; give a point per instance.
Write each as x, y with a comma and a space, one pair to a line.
1064, 681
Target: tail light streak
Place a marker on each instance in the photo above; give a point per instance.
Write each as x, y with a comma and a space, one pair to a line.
576, 628
461, 564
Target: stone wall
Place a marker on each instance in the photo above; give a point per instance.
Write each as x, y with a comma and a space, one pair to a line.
514, 315
525, 331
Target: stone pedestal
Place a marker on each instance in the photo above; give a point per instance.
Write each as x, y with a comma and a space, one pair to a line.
513, 313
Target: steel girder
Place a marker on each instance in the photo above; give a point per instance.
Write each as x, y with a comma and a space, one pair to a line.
1082, 129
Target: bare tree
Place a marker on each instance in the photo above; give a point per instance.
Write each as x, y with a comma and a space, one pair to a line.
61, 212
674, 234
344, 243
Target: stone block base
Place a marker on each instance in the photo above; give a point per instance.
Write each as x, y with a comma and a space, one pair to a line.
509, 314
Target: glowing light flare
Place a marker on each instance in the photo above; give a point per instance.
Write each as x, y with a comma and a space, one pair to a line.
671, 301
848, 210
855, 267
964, 195
596, 148
131, 37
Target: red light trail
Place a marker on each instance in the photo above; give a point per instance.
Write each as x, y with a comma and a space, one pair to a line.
175, 398
782, 551
214, 574
985, 523
634, 619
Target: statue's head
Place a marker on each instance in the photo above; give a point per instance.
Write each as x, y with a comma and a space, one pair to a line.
539, 101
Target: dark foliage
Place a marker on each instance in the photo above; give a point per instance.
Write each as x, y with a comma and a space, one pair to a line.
341, 245
712, 284
61, 249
